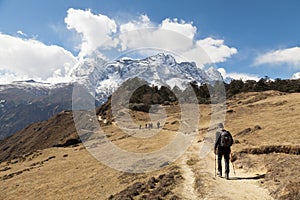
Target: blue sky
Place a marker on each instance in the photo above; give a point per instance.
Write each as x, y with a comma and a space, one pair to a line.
265, 34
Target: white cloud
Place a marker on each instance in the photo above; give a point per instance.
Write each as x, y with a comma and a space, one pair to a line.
21, 33
31, 59
223, 72
209, 50
237, 76
143, 22
172, 35
169, 35
28, 58
96, 30
175, 37
7, 77
296, 76
243, 76
216, 49
186, 29
288, 56
155, 38
136, 32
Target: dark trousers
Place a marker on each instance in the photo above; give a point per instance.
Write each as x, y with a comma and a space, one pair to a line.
226, 158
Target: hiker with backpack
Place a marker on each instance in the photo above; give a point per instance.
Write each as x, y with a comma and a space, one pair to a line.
158, 125
222, 146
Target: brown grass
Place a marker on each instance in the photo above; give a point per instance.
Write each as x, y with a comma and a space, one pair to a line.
72, 173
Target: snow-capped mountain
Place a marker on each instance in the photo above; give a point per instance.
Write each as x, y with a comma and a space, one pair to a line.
295, 76
26, 102
161, 70
37, 88
214, 74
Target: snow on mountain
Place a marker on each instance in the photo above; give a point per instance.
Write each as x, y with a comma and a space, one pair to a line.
38, 101
228, 79
31, 85
2, 103
214, 74
103, 78
296, 76
160, 70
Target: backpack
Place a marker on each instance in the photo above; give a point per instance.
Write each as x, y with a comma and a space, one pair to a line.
226, 139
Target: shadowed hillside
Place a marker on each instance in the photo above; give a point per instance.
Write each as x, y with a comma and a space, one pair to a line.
24, 105
58, 130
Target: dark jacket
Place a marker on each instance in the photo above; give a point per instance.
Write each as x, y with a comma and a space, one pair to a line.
218, 142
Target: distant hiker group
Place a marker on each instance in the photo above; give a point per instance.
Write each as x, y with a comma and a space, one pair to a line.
150, 125
222, 146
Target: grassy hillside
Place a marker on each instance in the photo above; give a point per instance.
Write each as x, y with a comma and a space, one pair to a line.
266, 154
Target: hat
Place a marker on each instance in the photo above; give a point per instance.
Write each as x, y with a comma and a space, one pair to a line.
220, 125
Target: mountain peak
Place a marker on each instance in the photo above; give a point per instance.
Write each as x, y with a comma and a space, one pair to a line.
158, 56
160, 70
162, 58
27, 81
214, 74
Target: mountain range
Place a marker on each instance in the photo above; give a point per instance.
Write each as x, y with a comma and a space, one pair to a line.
26, 102
104, 78
52, 150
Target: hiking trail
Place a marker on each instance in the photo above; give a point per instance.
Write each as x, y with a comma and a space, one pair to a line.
189, 191
242, 185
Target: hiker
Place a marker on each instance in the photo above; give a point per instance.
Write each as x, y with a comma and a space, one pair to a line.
145, 125
222, 146
158, 125
140, 126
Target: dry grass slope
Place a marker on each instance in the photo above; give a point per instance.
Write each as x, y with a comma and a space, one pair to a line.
266, 151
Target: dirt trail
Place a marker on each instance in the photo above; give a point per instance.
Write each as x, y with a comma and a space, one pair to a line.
201, 183
188, 189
